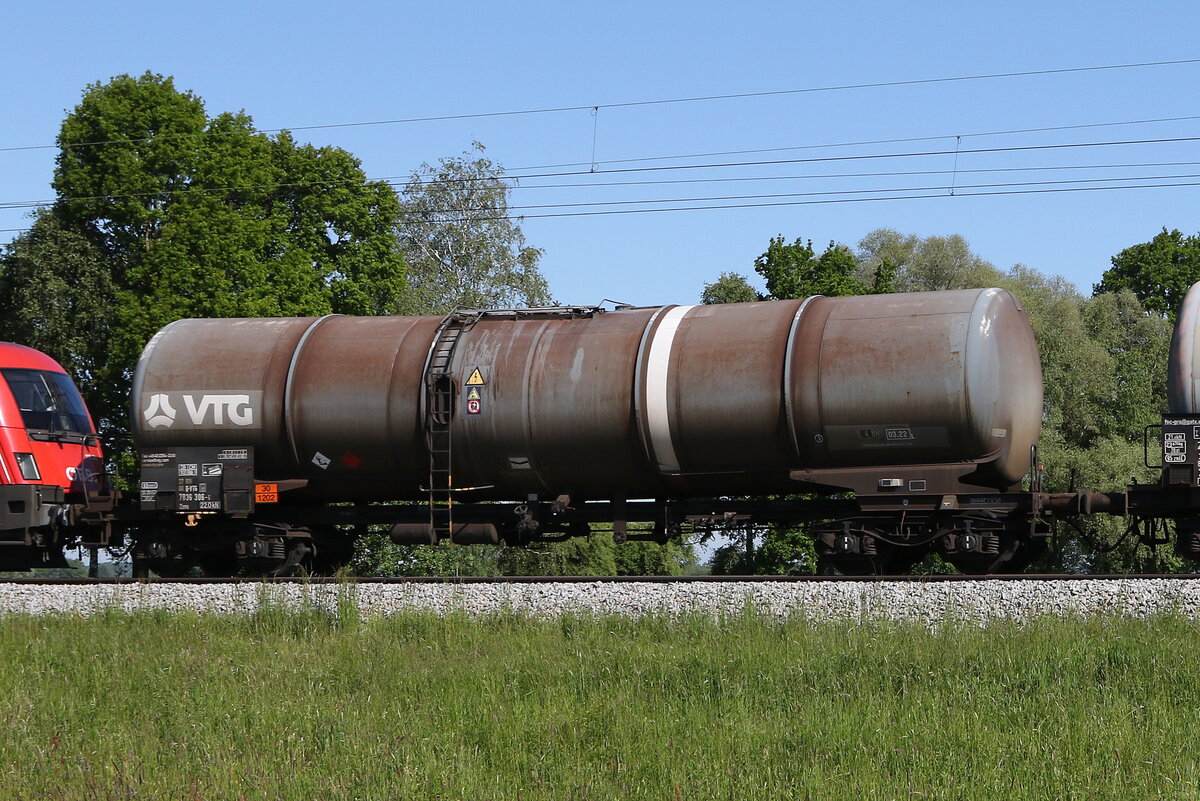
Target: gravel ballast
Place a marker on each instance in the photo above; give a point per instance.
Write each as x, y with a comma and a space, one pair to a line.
931, 603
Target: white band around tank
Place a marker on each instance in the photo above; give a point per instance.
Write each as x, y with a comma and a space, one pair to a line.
658, 367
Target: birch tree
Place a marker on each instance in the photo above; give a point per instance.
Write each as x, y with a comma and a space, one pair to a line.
463, 246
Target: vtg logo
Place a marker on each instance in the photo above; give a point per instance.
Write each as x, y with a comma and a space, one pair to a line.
160, 413
237, 409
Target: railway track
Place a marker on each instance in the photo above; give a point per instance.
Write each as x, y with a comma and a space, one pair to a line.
368, 580
928, 600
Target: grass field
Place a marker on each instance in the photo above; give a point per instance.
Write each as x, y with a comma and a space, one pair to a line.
311, 705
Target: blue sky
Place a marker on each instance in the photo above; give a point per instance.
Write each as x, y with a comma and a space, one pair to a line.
305, 64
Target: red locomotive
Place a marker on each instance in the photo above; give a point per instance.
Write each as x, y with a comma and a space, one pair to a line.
53, 488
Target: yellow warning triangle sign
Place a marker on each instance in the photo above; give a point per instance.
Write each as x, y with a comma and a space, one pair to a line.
476, 379
473, 394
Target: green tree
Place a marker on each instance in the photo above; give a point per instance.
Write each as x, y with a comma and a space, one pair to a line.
729, 288
463, 247
1104, 379
1078, 373
594, 555
376, 555
200, 217
640, 558
885, 278
1138, 344
1159, 272
765, 550
916, 264
123, 152
56, 295
795, 271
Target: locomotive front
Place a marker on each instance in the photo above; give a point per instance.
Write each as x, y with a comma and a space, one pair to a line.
51, 469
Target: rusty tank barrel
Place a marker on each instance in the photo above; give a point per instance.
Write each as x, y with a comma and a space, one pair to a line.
668, 401
1183, 363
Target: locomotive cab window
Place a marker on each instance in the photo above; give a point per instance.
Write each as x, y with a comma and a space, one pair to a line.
48, 401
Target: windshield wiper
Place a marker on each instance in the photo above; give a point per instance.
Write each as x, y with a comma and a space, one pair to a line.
54, 435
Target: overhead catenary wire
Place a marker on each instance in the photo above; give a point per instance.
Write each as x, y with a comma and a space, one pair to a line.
509, 172
831, 192
645, 169
820, 175
829, 201
862, 143
823, 201
670, 101
516, 186
774, 195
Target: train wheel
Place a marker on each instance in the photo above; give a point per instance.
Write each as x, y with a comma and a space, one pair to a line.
298, 555
1017, 555
861, 552
1028, 551
161, 555
333, 550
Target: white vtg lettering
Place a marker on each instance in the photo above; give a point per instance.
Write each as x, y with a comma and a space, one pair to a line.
236, 407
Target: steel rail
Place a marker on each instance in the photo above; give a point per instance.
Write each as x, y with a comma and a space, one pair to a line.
366, 580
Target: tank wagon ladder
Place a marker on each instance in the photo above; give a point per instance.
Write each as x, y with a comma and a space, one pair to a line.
440, 407
439, 414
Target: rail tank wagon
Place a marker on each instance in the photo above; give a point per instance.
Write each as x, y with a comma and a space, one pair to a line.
675, 401
916, 396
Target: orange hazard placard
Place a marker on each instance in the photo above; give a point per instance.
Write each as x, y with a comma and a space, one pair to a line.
266, 493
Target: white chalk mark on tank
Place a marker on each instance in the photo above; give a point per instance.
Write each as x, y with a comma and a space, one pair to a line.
577, 366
